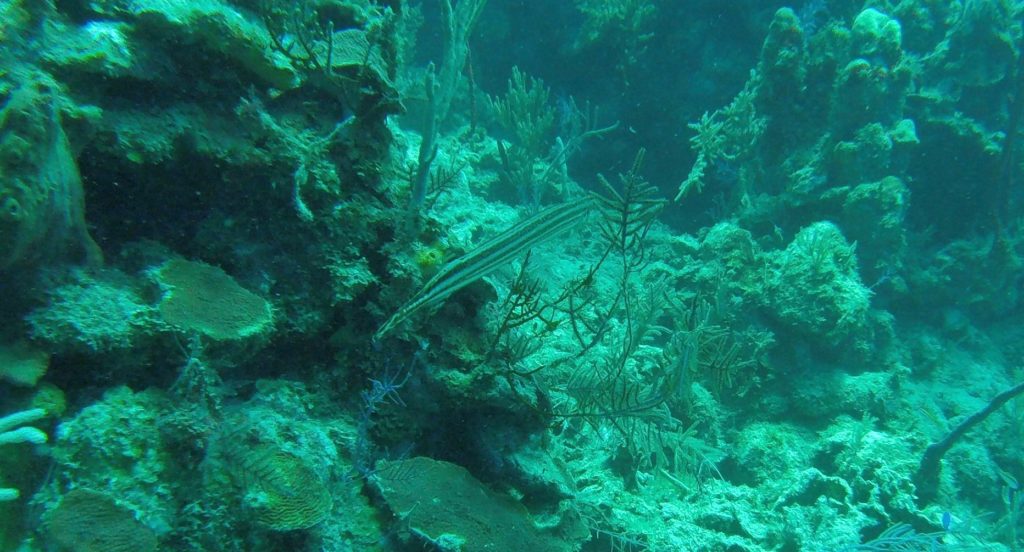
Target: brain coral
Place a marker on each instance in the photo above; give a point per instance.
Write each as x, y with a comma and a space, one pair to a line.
205, 299
90, 521
283, 491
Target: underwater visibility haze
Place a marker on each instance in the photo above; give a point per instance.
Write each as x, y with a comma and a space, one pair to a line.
511, 276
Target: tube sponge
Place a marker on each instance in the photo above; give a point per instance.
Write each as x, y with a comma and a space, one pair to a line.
11, 431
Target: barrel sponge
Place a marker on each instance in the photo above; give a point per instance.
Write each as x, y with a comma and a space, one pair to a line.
203, 298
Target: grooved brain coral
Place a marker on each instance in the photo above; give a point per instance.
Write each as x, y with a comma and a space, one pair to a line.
284, 493
205, 299
90, 521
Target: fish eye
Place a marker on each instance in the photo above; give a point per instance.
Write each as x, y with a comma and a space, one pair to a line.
10, 208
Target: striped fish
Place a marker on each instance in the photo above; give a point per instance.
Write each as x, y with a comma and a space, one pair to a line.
488, 256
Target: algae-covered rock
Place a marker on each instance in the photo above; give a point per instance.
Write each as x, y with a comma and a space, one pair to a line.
146, 137
982, 48
828, 394
101, 312
980, 276
877, 37
445, 505
872, 86
816, 289
873, 215
213, 25
782, 66
773, 453
877, 465
867, 93
106, 48
873, 152
115, 444
729, 254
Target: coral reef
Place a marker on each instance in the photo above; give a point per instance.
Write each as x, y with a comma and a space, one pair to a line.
381, 275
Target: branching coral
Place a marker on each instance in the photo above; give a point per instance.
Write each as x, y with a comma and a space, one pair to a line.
623, 27
728, 134
526, 111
